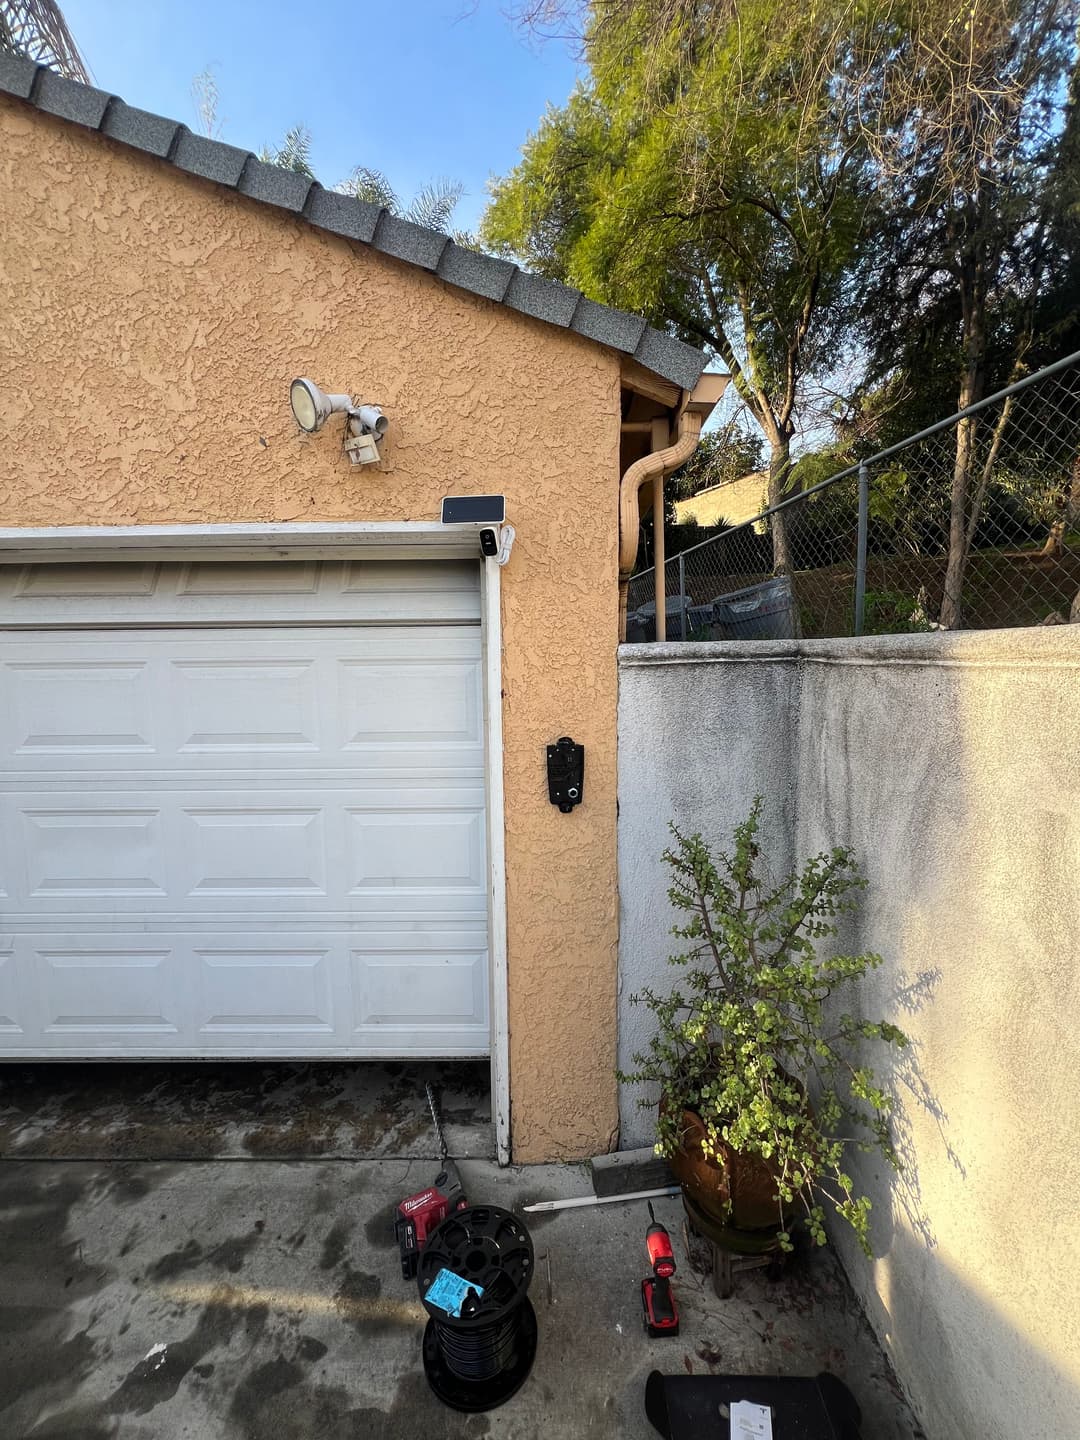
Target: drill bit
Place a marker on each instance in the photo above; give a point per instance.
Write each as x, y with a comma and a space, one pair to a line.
433, 1107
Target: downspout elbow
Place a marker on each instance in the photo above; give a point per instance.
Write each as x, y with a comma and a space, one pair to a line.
659, 462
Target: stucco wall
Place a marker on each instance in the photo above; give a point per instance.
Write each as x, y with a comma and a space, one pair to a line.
734, 502
151, 325
949, 762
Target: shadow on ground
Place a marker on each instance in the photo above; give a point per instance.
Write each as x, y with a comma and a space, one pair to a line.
245, 1301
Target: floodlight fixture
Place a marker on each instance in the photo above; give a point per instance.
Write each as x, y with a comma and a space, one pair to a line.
312, 408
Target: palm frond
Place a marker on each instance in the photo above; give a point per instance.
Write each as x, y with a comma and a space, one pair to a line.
435, 203
372, 186
38, 30
294, 152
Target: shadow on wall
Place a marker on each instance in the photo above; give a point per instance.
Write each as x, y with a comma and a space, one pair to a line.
944, 766
905, 1078
916, 1110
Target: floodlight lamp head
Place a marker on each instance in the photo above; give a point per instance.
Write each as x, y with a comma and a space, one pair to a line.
312, 408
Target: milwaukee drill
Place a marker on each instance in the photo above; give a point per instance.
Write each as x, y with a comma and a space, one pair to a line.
416, 1216
657, 1297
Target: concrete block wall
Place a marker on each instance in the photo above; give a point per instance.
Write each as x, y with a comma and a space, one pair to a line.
951, 763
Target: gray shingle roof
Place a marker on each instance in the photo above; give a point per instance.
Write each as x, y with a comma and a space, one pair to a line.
483, 275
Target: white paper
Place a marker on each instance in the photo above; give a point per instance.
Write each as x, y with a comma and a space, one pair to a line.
750, 1421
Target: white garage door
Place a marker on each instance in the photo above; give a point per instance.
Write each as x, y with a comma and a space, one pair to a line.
243, 810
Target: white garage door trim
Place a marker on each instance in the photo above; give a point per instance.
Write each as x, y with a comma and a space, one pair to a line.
412, 540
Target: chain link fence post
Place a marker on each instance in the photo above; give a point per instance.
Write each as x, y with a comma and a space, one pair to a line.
860, 552
682, 596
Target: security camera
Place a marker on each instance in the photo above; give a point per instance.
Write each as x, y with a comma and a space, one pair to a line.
498, 543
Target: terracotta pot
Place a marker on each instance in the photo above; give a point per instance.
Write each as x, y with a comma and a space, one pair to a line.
738, 1192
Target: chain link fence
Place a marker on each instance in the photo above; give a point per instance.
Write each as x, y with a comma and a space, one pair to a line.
883, 547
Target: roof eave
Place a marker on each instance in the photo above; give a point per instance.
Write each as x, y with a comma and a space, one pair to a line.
486, 276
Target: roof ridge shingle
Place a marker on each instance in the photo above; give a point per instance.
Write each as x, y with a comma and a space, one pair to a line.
485, 275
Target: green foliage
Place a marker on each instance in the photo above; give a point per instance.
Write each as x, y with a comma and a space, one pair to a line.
364, 183
707, 175
891, 612
747, 1037
294, 152
433, 205
892, 183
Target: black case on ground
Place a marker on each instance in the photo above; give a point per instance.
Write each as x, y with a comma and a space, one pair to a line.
694, 1407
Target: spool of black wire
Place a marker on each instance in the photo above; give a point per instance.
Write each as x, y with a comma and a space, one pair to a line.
478, 1263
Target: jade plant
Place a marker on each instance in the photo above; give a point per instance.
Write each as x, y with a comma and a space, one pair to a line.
751, 1038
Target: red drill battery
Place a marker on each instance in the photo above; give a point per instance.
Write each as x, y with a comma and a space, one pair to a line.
658, 1307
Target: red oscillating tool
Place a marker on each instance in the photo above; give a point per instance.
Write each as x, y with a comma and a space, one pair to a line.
417, 1215
657, 1297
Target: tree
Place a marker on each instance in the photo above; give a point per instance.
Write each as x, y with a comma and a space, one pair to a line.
965, 131
433, 205
294, 152
710, 175
722, 456
38, 30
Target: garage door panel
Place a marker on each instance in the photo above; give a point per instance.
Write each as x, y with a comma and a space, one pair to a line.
250, 838
418, 702
443, 991
278, 592
246, 705
354, 990
268, 989
401, 984
411, 849
267, 579
72, 708
12, 1006
309, 699
265, 853
107, 989
93, 580
89, 853
417, 851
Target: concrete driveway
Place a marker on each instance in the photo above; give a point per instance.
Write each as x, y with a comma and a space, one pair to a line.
262, 1300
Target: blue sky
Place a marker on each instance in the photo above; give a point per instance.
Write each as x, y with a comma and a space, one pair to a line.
421, 89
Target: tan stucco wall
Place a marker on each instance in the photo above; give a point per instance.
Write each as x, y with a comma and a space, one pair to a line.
151, 325
735, 502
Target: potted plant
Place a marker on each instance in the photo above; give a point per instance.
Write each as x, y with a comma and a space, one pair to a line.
763, 1085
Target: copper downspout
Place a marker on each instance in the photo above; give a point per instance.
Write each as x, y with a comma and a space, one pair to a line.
655, 467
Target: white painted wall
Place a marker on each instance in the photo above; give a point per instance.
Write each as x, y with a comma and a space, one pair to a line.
951, 763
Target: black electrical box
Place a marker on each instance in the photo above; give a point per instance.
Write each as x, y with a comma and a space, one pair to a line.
566, 773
